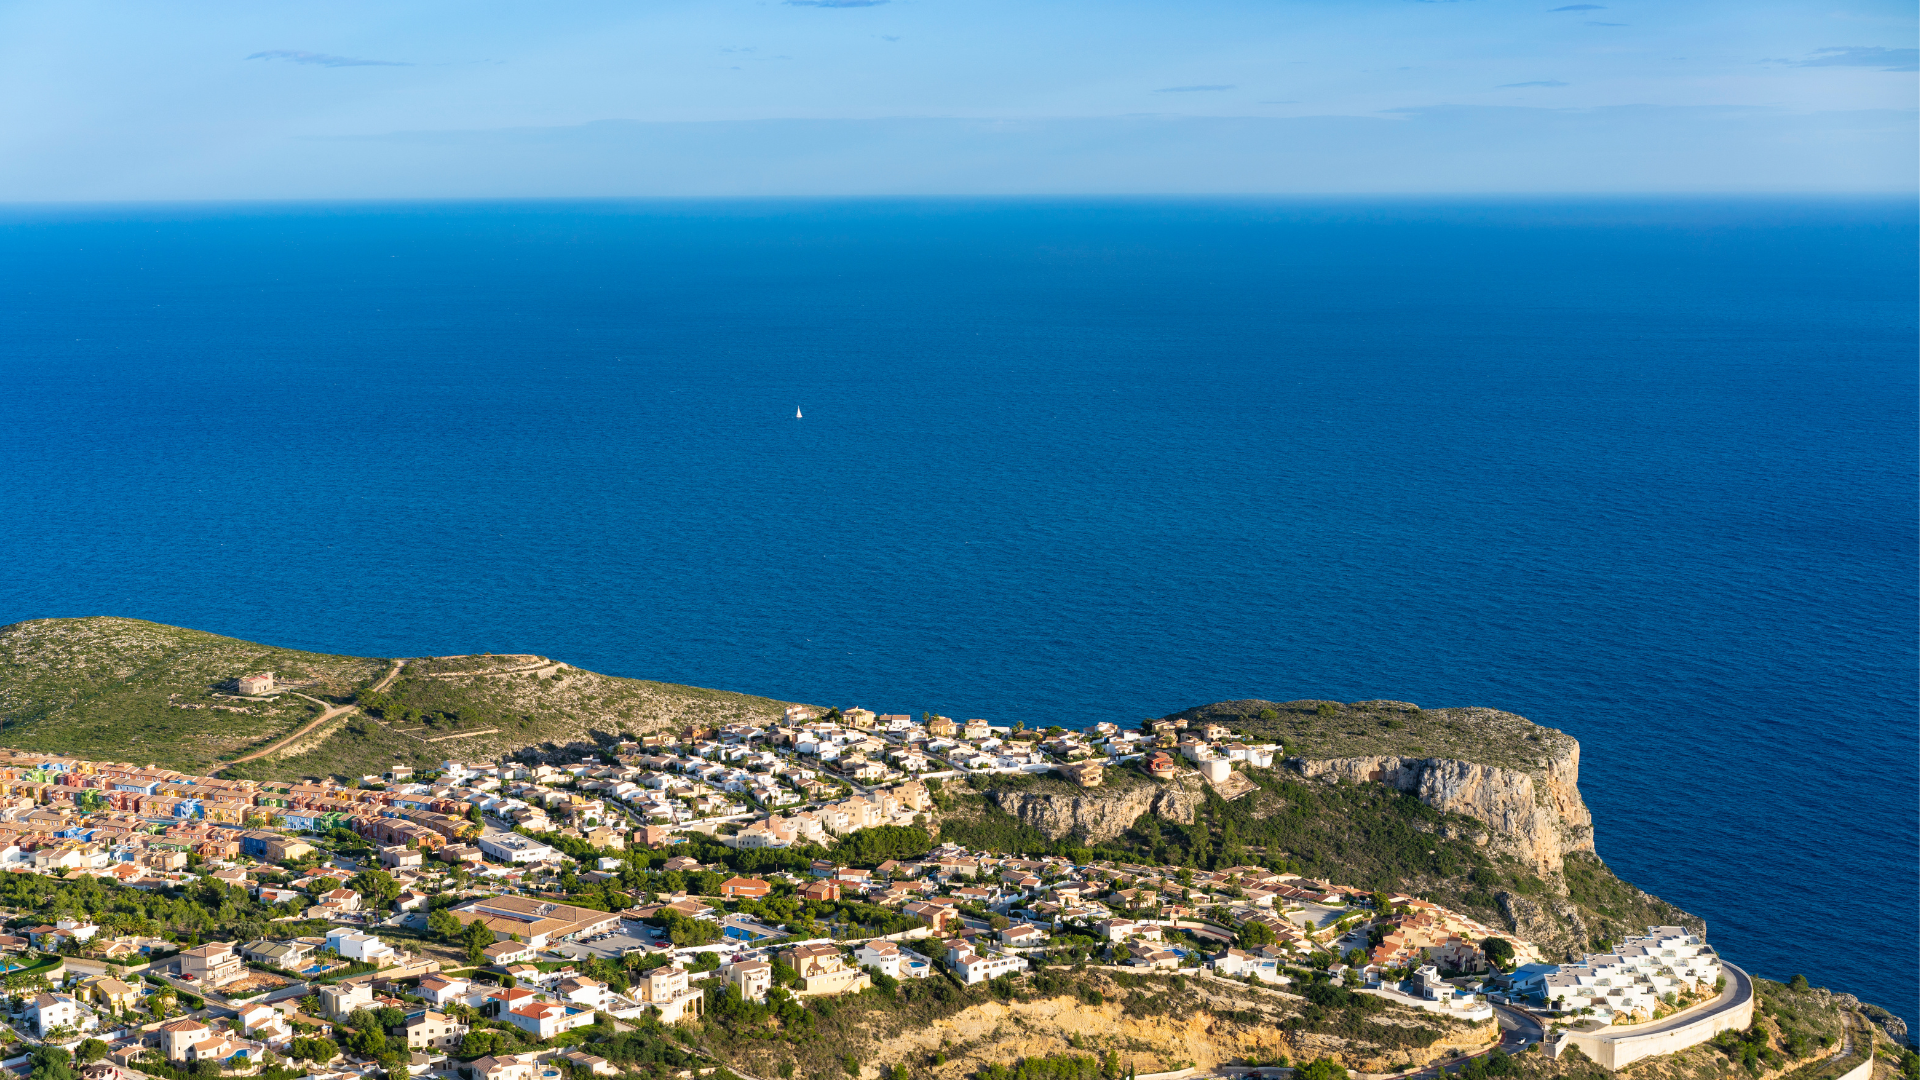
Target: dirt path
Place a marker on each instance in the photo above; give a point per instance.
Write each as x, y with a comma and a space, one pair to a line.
327, 712
387, 679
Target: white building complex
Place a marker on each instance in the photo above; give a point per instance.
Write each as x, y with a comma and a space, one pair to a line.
1631, 979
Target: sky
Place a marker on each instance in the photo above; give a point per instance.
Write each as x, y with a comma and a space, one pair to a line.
268, 99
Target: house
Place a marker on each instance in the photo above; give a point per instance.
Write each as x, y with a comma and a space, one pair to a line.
107, 992
213, 964
821, 890
428, 1029
938, 916
256, 684
1022, 935
263, 1023
891, 960
503, 1067
972, 967
1237, 963
287, 955
666, 989
606, 837
824, 971
1085, 773
444, 989
739, 888
358, 945
1216, 770
1147, 956
752, 978
508, 952
1160, 766
49, 1011
545, 1019
340, 999
396, 856
177, 1038
582, 1061
514, 848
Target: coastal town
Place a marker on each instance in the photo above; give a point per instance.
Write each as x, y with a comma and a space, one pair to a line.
474, 919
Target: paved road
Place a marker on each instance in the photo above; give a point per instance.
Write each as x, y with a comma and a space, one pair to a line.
1739, 990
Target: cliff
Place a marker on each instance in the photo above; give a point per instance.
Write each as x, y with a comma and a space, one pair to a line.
1520, 780
1101, 815
1538, 816
1476, 808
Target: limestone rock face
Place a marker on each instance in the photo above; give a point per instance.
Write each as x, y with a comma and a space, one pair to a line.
1099, 816
1536, 814
1553, 923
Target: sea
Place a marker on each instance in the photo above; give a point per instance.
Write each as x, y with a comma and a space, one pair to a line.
1640, 469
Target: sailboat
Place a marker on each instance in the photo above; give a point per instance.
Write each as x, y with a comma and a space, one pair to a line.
796, 414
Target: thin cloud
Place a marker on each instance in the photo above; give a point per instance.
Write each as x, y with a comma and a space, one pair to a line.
1204, 88
1582, 7
1872, 56
1536, 82
1288, 101
296, 56
835, 3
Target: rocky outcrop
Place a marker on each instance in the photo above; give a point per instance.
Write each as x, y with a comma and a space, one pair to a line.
1552, 922
1537, 816
1101, 815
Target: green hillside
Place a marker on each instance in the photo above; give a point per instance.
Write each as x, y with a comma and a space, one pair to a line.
127, 690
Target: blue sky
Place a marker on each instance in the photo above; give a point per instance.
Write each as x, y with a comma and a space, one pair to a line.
116, 100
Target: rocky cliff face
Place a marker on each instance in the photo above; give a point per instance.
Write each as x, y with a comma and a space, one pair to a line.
1535, 814
1101, 815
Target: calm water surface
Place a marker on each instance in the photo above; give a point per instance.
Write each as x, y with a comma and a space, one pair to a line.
1641, 471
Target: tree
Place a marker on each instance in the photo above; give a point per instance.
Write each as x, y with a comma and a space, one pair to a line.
1323, 1069
377, 886
444, 924
1799, 982
91, 1050
51, 1063
1499, 952
1254, 935
478, 937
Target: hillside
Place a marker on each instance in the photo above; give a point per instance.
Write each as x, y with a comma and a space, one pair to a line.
1148, 1022
1477, 809
123, 689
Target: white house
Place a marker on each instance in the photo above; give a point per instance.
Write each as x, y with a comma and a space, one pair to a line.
891, 960
357, 945
973, 967
514, 848
48, 1011
445, 990
1239, 962
545, 1019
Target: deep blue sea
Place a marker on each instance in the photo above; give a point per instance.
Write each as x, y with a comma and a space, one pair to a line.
1641, 470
